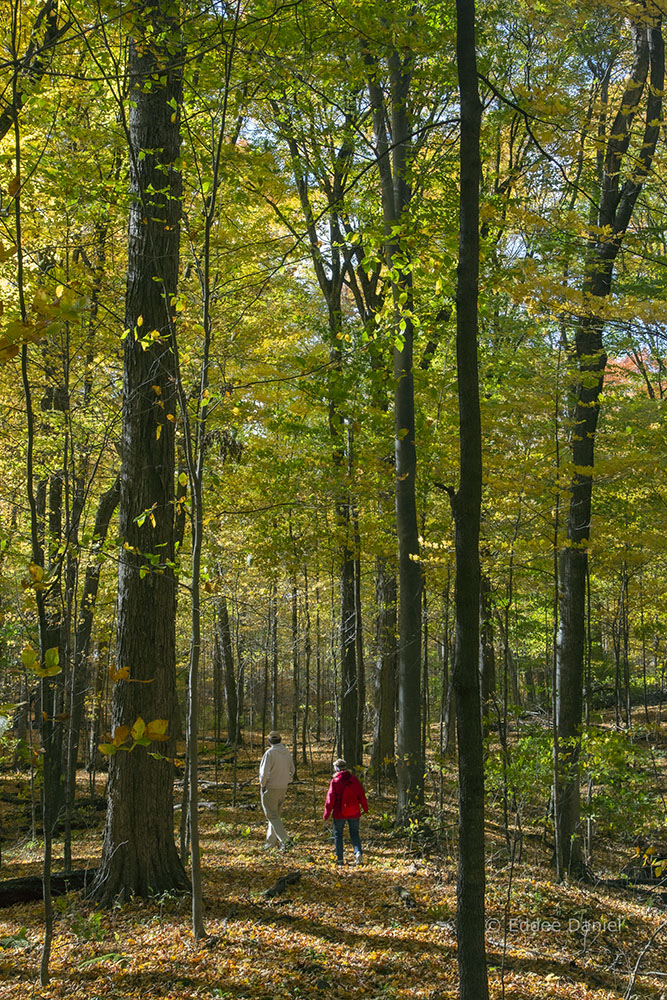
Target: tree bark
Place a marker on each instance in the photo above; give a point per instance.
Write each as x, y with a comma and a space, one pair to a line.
466, 504
139, 855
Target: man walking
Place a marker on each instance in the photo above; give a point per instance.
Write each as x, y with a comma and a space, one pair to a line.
275, 773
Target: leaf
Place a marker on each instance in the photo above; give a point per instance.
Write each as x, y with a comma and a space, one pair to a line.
118, 675
28, 657
51, 666
52, 658
108, 749
157, 729
14, 186
138, 729
120, 735
18, 940
110, 956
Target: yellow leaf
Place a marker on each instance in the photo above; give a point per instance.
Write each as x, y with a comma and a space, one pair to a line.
118, 675
14, 186
158, 431
138, 729
157, 729
120, 735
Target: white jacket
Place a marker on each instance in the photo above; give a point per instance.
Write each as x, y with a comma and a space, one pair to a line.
277, 767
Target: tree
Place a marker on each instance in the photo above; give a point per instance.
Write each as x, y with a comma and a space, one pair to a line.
466, 506
393, 132
139, 855
616, 201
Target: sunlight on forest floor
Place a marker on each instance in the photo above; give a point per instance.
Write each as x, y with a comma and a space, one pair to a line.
337, 932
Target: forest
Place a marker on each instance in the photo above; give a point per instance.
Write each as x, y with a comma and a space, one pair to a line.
332, 371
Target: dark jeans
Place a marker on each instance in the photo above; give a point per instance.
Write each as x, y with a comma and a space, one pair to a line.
338, 827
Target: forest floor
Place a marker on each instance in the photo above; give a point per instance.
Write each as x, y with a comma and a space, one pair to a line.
335, 932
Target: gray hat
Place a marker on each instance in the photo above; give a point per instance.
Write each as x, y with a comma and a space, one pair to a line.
274, 737
340, 765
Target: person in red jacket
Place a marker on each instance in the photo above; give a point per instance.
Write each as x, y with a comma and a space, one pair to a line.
345, 800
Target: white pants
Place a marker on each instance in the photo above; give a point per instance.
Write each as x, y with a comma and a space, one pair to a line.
272, 803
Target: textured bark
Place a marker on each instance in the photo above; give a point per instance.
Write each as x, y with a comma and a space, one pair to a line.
466, 504
139, 855
616, 205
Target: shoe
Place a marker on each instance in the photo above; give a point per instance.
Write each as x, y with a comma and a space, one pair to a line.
287, 845
358, 860
339, 864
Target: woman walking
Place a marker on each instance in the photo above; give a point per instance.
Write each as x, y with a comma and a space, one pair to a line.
345, 800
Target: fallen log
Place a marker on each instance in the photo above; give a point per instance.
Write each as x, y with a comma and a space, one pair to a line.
29, 888
282, 884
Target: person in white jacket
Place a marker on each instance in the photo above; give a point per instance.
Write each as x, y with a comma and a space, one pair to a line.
275, 773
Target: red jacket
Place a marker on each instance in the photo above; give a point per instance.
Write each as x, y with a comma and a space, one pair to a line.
335, 795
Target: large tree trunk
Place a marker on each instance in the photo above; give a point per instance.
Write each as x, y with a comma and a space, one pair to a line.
616, 203
139, 855
466, 504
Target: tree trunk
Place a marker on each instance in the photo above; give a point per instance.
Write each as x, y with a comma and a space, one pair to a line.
139, 855
393, 135
385, 674
488, 658
231, 699
273, 631
296, 671
466, 504
616, 205
348, 660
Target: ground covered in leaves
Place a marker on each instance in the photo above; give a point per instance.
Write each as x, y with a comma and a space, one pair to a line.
382, 930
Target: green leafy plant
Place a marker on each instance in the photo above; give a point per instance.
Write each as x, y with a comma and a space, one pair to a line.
88, 928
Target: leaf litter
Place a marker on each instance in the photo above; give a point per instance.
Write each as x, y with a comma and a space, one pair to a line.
333, 932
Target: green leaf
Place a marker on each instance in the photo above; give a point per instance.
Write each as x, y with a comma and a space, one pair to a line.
52, 658
18, 940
